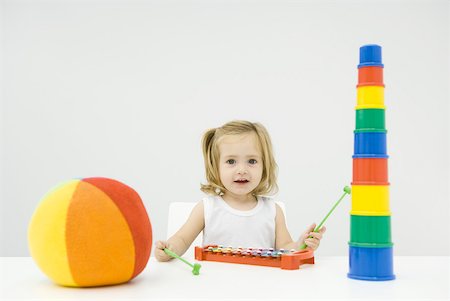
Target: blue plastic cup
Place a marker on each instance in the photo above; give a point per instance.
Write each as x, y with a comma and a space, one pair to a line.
370, 145
373, 264
370, 55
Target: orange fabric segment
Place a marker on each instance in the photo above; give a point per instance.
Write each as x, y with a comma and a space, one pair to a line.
132, 208
100, 247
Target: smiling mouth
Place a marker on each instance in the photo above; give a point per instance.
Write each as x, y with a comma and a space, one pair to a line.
241, 181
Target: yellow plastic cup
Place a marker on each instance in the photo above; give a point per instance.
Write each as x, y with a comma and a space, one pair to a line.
370, 97
370, 200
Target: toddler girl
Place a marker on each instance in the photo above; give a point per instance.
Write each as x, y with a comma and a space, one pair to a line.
240, 173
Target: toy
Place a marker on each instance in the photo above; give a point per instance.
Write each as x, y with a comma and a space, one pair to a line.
347, 190
284, 259
195, 267
370, 245
90, 232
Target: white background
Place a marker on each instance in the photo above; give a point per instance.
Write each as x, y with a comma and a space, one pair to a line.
125, 89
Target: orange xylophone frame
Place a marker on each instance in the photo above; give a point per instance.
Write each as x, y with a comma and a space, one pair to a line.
291, 261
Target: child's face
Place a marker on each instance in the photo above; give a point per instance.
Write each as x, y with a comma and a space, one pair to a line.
240, 165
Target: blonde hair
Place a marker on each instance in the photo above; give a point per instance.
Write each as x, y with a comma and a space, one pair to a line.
211, 155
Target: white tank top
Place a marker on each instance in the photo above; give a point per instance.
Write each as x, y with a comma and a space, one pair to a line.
227, 226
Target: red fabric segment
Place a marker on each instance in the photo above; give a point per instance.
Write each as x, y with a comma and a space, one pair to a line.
133, 210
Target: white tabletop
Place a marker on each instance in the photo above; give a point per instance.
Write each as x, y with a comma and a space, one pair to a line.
417, 278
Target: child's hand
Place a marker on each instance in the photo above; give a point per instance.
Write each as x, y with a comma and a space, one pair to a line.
313, 241
159, 251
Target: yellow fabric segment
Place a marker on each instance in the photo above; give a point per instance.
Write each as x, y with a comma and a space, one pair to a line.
100, 245
46, 233
370, 200
370, 97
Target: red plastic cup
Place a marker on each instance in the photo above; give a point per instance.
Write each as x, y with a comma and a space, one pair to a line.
370, 76
370, 171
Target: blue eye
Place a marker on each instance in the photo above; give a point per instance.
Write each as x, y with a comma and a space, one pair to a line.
252, 161
231, 161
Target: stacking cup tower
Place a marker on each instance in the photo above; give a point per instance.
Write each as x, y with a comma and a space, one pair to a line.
370, 246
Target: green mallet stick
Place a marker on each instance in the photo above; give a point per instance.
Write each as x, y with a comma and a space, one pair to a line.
347, 190
195, 267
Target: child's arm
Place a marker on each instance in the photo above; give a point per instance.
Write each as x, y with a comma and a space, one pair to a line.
283, 239
184, 237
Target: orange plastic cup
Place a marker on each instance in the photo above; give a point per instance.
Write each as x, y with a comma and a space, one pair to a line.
370, 171
370, 76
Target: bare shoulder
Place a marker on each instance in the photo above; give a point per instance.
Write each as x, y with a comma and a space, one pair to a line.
198, 206
198, 211
279, 212
278, 207
193, 225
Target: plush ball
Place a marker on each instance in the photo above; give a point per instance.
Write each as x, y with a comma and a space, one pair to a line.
90, 232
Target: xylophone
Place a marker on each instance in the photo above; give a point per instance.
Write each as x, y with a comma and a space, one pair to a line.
284, 259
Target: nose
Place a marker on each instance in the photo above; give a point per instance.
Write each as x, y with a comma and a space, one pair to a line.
242, 170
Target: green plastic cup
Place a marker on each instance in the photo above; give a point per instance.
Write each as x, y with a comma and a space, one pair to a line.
370, 231
370, 120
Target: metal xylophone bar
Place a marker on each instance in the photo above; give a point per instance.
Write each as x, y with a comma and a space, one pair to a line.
284, 259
